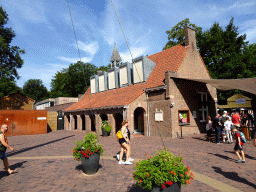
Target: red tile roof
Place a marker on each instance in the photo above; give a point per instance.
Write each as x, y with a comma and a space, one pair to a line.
167, 60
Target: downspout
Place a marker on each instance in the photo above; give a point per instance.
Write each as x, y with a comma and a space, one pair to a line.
148, 114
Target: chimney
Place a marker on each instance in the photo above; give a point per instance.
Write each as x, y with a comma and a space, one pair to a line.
190, 38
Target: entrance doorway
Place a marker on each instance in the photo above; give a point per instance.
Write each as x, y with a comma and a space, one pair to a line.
118, 119
139, 121
60, 121
92, 117
83, 122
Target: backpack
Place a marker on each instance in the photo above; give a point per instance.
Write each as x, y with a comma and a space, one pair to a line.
119, 135
224, 119
243, 140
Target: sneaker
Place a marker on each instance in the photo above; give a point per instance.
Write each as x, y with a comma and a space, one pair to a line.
131, 159
121, 162
218, 143
243, 161
117, 156
128, 163
239, 161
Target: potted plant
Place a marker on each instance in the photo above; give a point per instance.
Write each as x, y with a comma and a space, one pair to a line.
106, 128
89, 151
162, 172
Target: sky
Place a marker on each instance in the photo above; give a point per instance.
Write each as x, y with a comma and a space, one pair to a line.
44, 29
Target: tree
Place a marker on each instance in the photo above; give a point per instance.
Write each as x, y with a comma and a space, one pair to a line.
35, 89
10, 58
177, 34
8, 87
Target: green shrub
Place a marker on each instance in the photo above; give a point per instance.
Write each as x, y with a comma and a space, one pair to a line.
87, 147
106, 126
162, 169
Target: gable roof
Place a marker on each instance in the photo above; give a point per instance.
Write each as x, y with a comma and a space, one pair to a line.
17, 92
167, 60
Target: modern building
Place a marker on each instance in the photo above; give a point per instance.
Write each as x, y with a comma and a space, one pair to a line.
150, 93
54, 101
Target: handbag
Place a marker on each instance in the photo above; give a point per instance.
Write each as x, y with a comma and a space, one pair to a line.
119, 135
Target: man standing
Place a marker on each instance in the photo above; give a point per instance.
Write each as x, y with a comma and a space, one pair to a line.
238, 146
223, 119
3, 146
217, 126
236, 119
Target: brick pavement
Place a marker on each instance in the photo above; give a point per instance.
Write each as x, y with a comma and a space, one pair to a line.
44, 163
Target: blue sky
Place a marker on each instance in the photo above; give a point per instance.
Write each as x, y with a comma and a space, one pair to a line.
44, 29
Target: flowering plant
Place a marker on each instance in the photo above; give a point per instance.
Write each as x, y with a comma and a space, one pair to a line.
106, 126
161, 170
87, 147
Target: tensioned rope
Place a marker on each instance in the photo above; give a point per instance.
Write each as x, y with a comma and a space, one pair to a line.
134, 65
82, 70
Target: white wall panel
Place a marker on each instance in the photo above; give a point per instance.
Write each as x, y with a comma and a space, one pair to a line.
101, 83
93, 90
123, 76
111, 80
138, 72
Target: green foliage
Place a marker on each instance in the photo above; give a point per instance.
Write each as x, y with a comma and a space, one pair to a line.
161, 169
10, 58
74, 80
87, 147
35, 89
177, 34
8, 87
106, 126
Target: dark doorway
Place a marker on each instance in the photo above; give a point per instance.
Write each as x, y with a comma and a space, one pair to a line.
75, 123
92, 117
118, 120
60, 121
104, 117
139, 121
83, 122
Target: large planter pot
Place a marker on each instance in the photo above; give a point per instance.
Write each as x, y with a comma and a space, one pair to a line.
91, 164
105, 133
174, 188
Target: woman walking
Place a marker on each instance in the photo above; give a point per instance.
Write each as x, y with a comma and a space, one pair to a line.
125, 144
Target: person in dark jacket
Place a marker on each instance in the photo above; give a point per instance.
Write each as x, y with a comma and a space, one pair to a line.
217, 126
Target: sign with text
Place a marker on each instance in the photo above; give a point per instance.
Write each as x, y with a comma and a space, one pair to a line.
241, 101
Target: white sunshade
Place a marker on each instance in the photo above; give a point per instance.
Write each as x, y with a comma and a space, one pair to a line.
248, 85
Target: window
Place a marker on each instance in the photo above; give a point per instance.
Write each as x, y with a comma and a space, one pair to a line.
203, 106
183, 117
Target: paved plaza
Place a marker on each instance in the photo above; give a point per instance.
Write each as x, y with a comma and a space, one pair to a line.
45, 163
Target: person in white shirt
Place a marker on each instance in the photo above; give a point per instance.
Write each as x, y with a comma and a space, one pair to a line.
227, 127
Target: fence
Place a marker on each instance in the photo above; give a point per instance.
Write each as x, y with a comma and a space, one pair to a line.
24, 122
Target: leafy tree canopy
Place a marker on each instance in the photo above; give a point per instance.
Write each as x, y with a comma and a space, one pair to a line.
35, 89
177, 34
10, 58
74, 80
8, 87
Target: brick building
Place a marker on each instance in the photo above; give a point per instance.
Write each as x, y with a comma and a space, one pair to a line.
16, 101
150, 93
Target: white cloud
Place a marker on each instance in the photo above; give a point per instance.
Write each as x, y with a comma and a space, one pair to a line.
90, 49
136, 52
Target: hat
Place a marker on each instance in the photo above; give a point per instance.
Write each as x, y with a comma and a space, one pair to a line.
225, 112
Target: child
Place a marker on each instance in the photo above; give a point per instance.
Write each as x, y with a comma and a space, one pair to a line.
238, 146
227, 128
209, 127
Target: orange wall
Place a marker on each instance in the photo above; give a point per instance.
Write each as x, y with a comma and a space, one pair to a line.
24, 122
16, 101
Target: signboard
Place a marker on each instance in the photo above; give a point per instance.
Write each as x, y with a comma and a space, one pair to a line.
41, 118
241, 101
159, 116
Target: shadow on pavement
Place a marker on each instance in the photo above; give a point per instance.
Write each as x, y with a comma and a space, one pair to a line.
223, 157
246, 156
80, 167
30, 148
233, 176
12, 167
135, 188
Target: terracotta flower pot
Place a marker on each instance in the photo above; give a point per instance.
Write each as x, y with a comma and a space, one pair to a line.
91, 164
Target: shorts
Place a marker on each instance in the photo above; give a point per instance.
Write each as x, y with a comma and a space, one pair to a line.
237, 147
3, 155
121, 141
